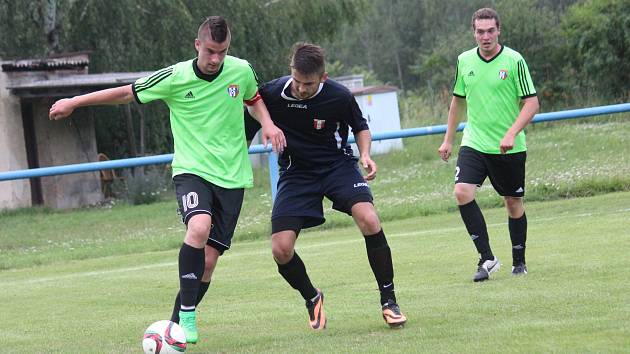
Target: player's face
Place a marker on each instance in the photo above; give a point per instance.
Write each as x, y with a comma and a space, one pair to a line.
487, 35
305, 86
210, 54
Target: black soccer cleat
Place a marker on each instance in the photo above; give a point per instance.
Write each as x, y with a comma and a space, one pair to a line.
316, 314
485, 268
392, 315
519, 269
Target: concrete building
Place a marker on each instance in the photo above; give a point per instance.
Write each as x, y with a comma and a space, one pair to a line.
13, 194
379, 105
28, 139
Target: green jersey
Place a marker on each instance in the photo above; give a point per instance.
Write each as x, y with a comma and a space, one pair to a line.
206, 118
493, 90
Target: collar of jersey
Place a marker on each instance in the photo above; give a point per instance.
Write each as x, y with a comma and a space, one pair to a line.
207, 77
290, 98
491, 59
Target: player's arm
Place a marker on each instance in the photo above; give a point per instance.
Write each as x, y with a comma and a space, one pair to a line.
270, 132
529, 108
363, 140
64, 107
456, 113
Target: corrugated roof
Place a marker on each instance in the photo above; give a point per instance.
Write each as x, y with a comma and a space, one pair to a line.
371, 90
48, 64
90, 80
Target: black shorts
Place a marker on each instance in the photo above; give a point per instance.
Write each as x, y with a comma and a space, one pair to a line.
506, 171
298, 202
198, 196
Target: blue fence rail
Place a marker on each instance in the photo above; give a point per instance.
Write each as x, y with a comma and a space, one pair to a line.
273, 170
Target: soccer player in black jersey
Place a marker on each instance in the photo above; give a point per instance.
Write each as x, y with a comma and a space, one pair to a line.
315, 114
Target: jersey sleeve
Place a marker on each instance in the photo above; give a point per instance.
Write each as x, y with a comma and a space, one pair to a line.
459, 88
156, 86
251, 95
356, 119
524, 84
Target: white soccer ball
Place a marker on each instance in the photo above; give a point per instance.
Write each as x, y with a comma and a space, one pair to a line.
164, 337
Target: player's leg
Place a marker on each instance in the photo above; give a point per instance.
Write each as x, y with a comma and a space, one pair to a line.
292, 268
470, 172
517, 225
380, 259
298, 205
195, 204
507, 174
191, 267
211, 257
350, 194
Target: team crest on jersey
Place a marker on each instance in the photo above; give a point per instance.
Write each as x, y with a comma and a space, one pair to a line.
233, 91
319, 124
503, 74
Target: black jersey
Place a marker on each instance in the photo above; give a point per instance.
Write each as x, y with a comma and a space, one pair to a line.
316, 129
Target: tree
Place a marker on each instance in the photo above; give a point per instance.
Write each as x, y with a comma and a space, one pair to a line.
598, 36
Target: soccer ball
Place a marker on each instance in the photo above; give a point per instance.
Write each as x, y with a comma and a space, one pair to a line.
164, 337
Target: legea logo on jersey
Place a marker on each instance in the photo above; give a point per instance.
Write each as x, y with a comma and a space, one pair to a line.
503, 74
233, 91
319, 124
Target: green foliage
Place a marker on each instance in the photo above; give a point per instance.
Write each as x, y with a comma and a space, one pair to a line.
21, 30
148, 185
598, 35
147, 35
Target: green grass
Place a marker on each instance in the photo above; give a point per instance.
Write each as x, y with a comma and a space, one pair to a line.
575, 298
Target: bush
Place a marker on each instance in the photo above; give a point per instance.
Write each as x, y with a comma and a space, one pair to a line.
148, 186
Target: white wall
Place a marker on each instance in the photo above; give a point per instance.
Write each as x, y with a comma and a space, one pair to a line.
17, 193
381, 111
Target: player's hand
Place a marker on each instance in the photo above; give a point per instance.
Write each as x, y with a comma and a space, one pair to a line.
445, 150
507, 143
61, 109
275, 136
369, 166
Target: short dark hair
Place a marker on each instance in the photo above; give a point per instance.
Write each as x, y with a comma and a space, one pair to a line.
308, 58
214, 27
486, 14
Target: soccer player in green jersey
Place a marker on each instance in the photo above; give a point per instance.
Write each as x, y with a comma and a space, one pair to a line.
494, 89
211, 167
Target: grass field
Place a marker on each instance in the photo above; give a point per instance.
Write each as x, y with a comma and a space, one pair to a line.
90, 281
576, 297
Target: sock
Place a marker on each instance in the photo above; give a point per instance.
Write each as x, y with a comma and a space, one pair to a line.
518, 235
294, 272
380, 258
203, 287
191, 265
476, 226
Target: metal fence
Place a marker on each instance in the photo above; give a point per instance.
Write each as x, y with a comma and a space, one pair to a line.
273, 159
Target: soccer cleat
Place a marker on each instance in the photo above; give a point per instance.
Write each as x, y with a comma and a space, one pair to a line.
485, 268
316, 314
519, 269
188, 321
392, 314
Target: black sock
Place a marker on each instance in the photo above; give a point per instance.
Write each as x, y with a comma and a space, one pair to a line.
294, 272
191, 266
518, 235
203, 287
380, 258
476, 226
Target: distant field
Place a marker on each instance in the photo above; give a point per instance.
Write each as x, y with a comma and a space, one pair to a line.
575, 299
